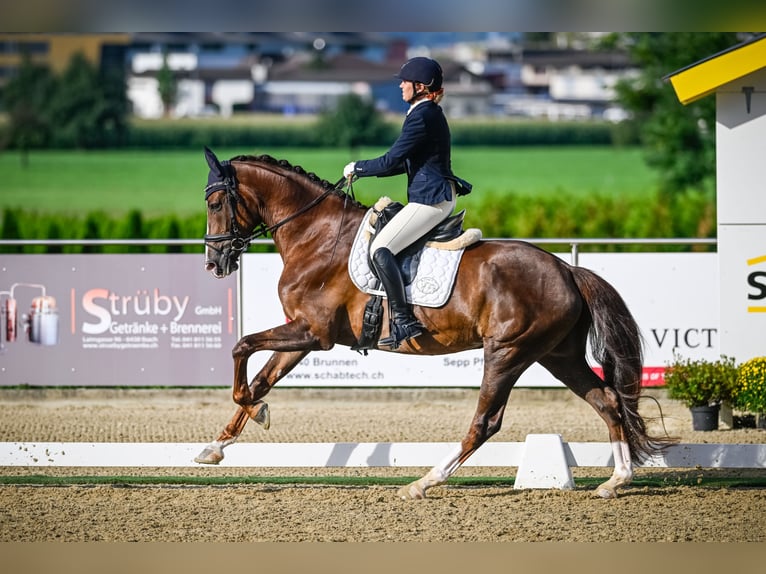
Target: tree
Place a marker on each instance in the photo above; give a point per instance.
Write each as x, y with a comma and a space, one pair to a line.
353, 123
115, 107
678, 140
25, 100
88, 108
133, 228
167, 86
11, 229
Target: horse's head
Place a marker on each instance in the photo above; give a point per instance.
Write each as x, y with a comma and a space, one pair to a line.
226, 238
268, 195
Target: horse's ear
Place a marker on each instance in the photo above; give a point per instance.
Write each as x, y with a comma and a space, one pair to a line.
212, 161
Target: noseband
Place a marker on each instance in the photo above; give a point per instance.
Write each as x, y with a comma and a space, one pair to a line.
239, 242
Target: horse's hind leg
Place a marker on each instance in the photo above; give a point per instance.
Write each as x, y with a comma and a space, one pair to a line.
578, 376
250, 405
501, 370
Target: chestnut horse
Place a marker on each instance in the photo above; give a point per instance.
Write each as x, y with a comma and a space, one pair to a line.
519, 303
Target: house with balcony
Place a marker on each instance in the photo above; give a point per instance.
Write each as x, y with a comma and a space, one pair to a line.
558, 83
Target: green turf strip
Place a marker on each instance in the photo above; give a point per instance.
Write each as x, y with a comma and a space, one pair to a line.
657, 481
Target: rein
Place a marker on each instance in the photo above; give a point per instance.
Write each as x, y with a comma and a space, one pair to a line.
239, 243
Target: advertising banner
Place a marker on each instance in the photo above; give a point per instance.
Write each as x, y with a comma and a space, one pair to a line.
673, 296
161, 320
674, 299
115, 320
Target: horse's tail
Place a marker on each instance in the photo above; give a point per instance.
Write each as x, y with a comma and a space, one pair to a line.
616, 344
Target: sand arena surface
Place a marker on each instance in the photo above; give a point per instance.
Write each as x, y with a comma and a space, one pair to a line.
299, 512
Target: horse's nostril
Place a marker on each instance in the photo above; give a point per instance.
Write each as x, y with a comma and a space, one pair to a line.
209, 266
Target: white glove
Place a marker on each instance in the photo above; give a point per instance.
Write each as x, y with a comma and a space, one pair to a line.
348, 171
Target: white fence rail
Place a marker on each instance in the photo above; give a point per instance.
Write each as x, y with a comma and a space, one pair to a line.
255, 455
543, 460
573, 242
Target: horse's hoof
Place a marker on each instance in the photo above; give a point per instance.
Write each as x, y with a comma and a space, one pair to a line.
411, 492
606, 492
263, 416
212, 454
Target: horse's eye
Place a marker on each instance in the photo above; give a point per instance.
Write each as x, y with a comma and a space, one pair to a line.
215, 206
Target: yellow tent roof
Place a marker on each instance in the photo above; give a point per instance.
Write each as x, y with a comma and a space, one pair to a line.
704, 77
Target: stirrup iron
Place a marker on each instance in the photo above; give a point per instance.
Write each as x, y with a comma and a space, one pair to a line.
401, 332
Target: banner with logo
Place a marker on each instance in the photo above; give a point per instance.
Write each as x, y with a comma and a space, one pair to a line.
161, 320
115, 320
743, 290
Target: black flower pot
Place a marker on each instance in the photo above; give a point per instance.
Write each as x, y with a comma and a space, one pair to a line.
705, 418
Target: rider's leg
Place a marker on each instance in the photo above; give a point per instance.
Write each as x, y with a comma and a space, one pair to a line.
403, 323
405, 228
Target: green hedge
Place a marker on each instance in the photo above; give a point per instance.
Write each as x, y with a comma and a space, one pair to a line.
565, 216
22, 224
534, 133
594, 216
285, 134
183, 134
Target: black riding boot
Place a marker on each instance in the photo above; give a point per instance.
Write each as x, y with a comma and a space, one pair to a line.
403, 323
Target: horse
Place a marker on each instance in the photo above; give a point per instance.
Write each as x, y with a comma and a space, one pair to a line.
519, 303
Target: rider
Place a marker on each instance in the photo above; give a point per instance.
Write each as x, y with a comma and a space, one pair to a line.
422, 151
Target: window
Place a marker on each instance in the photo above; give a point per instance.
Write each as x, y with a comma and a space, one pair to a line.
23, 47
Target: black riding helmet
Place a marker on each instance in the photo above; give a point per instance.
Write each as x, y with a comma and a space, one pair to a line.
424, 71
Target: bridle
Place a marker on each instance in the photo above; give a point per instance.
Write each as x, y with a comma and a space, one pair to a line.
238, 240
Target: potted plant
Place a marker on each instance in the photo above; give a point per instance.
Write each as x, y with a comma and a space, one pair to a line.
702, 386
750, 389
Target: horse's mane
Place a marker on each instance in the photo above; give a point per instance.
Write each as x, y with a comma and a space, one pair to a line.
296, 169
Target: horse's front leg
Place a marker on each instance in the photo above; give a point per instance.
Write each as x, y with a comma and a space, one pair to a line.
287, 340
251, 407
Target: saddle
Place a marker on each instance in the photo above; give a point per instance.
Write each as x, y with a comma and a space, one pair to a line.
439, 237
449, 235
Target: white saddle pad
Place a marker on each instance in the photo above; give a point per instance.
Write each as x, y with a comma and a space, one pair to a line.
434, 273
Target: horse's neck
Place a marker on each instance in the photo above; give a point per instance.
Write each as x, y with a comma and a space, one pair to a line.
326, 228
304, 230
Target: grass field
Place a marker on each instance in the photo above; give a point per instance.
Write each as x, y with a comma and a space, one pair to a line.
172, 181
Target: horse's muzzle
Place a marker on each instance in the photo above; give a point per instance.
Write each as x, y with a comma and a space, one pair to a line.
220, 271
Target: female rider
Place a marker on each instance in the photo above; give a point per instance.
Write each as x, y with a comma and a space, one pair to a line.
422, 151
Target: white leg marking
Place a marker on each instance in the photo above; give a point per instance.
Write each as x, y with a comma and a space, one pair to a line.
437, 475
623, 470
213, 453
622, 464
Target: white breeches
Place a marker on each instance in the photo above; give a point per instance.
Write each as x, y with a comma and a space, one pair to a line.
410, 224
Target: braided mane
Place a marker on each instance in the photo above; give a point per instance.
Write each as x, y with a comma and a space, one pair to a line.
296, 169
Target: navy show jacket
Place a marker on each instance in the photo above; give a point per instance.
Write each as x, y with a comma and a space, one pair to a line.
422, 151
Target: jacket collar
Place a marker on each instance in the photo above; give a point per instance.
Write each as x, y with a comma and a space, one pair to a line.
420, 101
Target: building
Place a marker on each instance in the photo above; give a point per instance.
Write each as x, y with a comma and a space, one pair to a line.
303, 85
555, 82
56, 50
222, 72
294, 72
